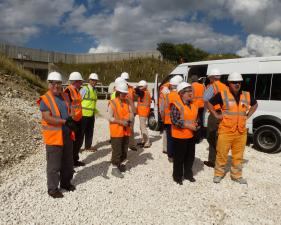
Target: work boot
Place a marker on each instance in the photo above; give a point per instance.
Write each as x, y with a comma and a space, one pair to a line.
178, 181
147, 145
68, 187
133, 148
240, 180
217, 179
190, 178
55, 194
209, 164
117, 173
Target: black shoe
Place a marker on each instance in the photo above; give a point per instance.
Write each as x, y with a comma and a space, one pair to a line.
55, 194
140, 144
178, 181
209, 164
69, 187
79, 163
133, 148
122, 168
191, 179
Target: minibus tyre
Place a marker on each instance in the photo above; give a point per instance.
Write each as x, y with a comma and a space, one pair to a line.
267, 139
152, 123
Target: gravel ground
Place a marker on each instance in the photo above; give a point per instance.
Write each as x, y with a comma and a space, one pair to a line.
147, 194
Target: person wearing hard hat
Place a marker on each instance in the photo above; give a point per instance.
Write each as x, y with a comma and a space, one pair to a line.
117, 80
89, 109
216, 86
184, 115
72, 91
165, 103
131, 98
143, 109
57, 126
198, 94
120, 116
236, 106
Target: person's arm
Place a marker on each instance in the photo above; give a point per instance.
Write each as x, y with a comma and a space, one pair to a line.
112, 119
131, 113
46, 115
83, 92
215, 100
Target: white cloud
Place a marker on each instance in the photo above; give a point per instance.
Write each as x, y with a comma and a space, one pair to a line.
21, 20
103, 49
261, 46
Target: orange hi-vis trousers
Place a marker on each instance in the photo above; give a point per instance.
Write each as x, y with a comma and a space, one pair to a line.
236, 142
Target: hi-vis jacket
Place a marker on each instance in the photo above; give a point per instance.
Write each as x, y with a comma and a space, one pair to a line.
218, 87
143, 108
165, 104
188, 115
198, 94
234, 115
89, 101
52, 134
76, 105
121, 111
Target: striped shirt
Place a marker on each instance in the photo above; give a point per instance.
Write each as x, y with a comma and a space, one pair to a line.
209, 93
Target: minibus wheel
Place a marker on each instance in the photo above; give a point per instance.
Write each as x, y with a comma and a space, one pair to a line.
267, 139
152, 122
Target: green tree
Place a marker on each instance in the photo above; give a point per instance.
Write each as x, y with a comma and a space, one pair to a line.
168, 51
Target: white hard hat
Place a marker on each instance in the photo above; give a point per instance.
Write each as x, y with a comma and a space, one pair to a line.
93, 76
182, 86
54, 76
124, 75
121, 87
75, 76
214, 72
176, 80
119, 80
235, 77
142, 83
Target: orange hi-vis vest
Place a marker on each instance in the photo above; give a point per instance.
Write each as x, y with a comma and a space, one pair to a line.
219, 87
234, 115
76, 104
121, 111
198, 94
188, 115
143, 108
52, 134
169, 99
131, 93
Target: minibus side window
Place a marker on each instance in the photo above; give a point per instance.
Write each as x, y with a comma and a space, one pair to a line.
249, 82
276, 87
263, 86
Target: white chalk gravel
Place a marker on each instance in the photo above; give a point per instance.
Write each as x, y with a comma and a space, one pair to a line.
147, 194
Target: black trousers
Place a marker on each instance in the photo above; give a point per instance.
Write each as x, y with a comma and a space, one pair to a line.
87, 130
77, 143
184, 155
119, 149
59, 163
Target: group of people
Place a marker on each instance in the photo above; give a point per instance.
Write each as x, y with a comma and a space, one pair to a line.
182, 107
68, 118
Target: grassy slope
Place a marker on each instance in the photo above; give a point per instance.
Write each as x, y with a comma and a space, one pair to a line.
7, 66
138, 69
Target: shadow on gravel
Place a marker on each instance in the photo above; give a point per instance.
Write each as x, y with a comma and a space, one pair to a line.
198, 166
98, 154
152, 138
139, 157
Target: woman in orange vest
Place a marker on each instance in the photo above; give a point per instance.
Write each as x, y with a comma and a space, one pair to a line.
72, 90
57, 126
184, 123
120, 116
143, 109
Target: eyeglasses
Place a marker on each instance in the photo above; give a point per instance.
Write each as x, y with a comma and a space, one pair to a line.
235, 82
55, 83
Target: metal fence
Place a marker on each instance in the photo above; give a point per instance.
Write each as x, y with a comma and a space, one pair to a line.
22, 53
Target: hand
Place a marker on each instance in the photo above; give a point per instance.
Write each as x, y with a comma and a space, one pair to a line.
124, 123
165, 90
70, 124
219, 116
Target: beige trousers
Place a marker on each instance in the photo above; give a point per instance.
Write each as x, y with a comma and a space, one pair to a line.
144, 132
132, 142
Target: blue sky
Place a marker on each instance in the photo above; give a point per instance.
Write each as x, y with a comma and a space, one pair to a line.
248, 27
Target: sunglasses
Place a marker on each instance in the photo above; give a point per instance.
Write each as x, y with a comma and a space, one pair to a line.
235, 82
55, 83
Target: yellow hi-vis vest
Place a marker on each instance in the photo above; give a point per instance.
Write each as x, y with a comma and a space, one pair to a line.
89, 101
113, 95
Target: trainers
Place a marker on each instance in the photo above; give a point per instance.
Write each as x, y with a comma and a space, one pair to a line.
240, 180
55, 194
190, 178
69, 187
117, 173
217, 179
122, 168
147, 145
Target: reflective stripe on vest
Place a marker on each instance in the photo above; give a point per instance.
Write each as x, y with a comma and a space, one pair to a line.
188, 115
89, 102
170, 98
234, 115
198, 94
219, 87
120, 112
